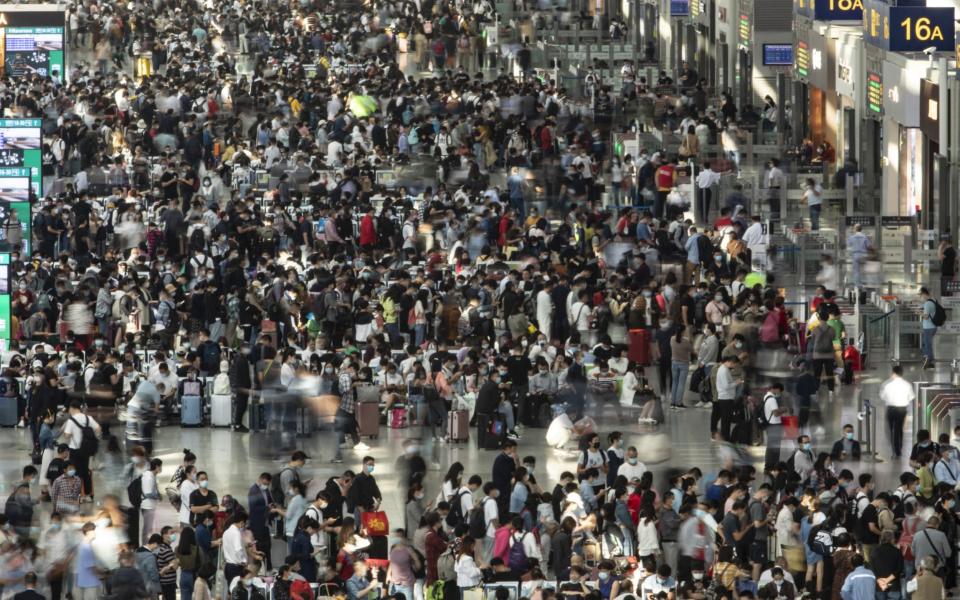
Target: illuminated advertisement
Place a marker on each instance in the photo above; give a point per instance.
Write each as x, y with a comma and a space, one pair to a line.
874, 93
20, 142
803, 59
32, 41
12, 213
744, 30
5, 317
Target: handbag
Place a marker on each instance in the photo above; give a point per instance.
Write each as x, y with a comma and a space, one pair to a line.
696, 379
375, 522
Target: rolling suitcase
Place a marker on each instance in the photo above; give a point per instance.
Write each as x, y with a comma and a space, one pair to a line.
221, 410
368, 419
639, 351
8, 411
492, 432
458, 425
399, 418
191, 411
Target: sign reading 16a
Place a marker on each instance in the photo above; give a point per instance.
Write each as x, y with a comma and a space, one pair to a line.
846, 5
921, 30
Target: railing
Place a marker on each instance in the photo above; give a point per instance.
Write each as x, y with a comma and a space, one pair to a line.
885, 333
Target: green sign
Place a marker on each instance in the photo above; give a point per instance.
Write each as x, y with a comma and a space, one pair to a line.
29, 51
5, 328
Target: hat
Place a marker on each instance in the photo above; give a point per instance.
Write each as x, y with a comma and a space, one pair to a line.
299, 455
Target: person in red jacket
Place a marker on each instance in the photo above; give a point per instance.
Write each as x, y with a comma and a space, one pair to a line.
368, 230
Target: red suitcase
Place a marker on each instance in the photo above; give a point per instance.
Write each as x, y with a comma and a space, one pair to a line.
368, 419
458, 425
791, 426
639, 351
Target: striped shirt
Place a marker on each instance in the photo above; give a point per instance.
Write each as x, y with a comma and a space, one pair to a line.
165, 557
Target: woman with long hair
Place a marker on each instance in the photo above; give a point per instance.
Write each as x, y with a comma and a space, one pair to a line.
191, 559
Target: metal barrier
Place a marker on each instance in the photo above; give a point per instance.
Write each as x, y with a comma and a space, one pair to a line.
884, 333
867, 430
928, 396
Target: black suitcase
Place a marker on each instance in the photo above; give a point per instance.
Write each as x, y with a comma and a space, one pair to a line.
492, 432
847, 377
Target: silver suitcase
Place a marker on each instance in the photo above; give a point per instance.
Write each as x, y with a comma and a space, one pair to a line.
221, 410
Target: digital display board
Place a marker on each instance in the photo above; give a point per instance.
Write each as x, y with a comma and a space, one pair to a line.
743, 27
909, 28
778, 55
32, 41
21, 211
679, 8
874, 93
803, 59
20, 143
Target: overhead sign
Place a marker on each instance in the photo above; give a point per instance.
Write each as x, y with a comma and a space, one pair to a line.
778, 55
896, 221
909, 28
863, 220
830, 10
679, 8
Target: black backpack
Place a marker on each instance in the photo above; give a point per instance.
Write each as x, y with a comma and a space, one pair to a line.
89, 444
277, 492
135, 491
478, 521
173, 322
939, 315
455, 516
210, 357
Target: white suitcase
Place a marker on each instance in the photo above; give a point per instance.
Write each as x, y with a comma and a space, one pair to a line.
221, 410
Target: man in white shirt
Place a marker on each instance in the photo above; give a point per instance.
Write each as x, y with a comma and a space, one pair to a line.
151, 497
705, 182
727, 385
632, 468
775, 181
772, 415
491, 516
753, 236
234, 549
813, 198
545, 309
73, 431
897, 394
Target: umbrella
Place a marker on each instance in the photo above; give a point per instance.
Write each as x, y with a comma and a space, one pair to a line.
362, 106
754, 278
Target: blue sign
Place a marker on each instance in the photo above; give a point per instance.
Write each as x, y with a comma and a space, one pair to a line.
778, 55
831, 10
679, 8
909, 28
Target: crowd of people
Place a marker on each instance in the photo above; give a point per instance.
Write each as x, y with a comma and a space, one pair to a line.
259, 207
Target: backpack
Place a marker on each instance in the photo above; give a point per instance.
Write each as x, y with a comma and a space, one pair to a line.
135, 492
173, 319
277, 492
517, 559
210, 357
823, 339
89, 444
455, 516
939, 315
478, 521
905, 543
820, 541
761, 415
198, 241
267, 234
447, 566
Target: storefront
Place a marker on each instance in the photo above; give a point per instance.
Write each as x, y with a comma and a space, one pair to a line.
815, 98
849, 69
905, 170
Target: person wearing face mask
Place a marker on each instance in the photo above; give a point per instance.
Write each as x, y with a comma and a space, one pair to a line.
608, 583
241, 382
187, 487
847, 447
315, 511
65, 491
364, 493
202, 499
662, 582
802, 459
167, 563
262, 509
